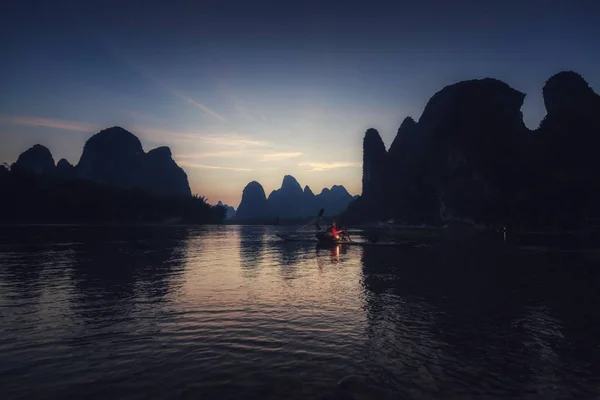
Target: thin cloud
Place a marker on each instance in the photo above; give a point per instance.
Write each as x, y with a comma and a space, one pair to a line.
27, 120
193, 102
324, 166
228, 139
205, 166
160, 133
222, 139
235, 140
240, 107
225, 153
79, 126
142, 71
280, 156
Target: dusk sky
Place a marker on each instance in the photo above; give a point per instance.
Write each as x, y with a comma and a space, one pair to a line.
252, 90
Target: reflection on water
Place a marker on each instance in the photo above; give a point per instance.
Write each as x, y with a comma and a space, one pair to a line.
111, 269
252, 248
232, 312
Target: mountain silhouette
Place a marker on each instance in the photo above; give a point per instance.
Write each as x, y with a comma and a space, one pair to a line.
290, 201
254, 202
470, 157
37, 159
230, 211
64, 169
114, 181
114, 156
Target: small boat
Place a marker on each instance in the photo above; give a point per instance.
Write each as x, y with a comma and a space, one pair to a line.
331, 242
326, 238
323, 238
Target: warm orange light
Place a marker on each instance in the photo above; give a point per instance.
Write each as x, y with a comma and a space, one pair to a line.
337, 251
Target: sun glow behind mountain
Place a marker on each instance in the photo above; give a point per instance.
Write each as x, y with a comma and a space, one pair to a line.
259, 91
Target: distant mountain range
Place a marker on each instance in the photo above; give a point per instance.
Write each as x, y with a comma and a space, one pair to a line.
113, 156
290, 201
115, 181
468, 158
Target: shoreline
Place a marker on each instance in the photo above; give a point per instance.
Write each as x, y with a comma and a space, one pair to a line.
447, 228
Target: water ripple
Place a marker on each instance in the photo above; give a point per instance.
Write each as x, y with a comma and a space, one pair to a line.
230, 312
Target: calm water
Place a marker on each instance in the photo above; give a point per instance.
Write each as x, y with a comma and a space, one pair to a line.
231, 313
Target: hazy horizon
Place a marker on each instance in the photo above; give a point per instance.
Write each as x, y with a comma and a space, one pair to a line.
244, 92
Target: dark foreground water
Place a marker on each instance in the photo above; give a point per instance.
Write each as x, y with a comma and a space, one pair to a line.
231, 313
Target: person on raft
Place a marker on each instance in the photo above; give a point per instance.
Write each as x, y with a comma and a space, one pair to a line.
333, 230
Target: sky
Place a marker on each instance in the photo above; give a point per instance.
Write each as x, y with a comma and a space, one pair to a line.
255, 90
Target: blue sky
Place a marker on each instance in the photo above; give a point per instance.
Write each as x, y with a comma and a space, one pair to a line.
245, 91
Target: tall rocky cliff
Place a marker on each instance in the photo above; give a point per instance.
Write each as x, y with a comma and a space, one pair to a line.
254, 202
564, 167
471, 157
288, 199
374, 164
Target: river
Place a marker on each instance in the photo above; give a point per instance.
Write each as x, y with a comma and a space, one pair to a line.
232, 312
